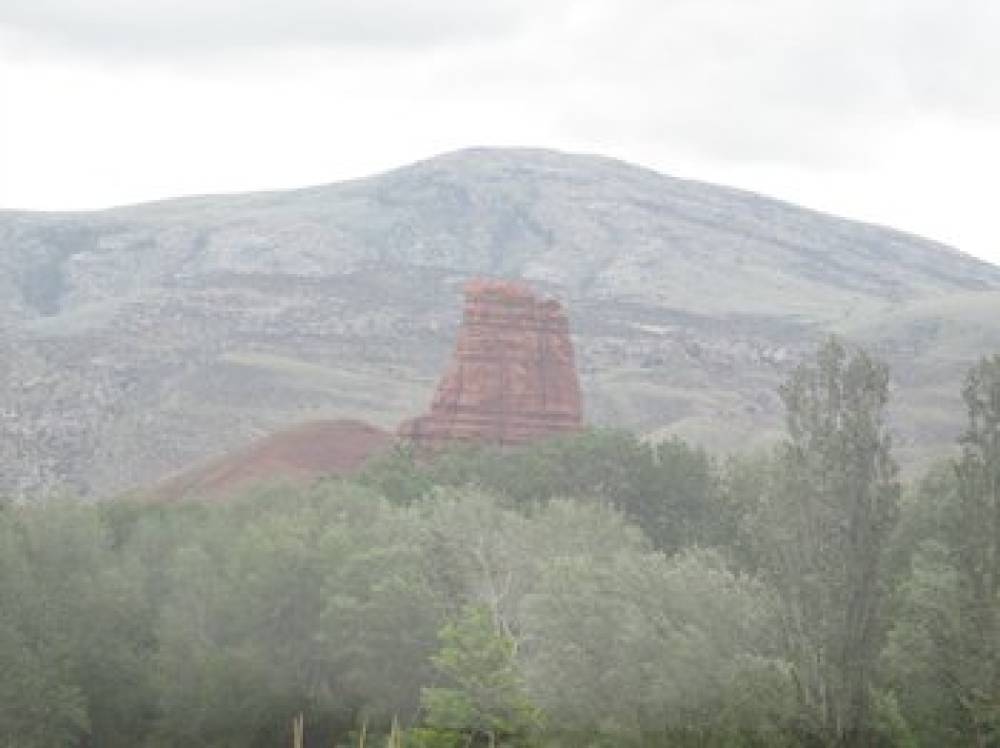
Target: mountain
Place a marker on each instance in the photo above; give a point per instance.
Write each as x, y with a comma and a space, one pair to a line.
139, 340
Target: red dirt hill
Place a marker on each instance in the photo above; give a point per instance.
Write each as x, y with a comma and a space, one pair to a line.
301, 453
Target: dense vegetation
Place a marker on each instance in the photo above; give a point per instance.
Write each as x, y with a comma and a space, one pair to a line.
595, 590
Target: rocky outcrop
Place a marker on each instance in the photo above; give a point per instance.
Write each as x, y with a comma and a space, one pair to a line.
513, 376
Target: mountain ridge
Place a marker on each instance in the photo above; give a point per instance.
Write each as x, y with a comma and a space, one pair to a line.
472, 152
763, 215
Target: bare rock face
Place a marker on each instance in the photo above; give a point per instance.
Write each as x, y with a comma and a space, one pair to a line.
512, 377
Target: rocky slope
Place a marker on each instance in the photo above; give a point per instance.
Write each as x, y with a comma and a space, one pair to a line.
138, 340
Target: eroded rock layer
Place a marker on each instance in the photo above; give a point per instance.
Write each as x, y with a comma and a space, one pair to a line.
512, 376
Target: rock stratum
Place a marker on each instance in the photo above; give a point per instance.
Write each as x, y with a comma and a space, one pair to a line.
140, 340
512, 377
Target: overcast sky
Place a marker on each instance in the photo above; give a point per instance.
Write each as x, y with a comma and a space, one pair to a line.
884, 110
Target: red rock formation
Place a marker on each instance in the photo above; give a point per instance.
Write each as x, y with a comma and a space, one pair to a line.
512, 377
301, 453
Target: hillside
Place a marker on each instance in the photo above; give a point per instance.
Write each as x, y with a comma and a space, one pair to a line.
302, 453
142, 339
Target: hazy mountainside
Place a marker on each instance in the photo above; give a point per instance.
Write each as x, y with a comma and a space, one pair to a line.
141, 339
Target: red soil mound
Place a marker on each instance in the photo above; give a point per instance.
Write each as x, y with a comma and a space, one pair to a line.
302, 453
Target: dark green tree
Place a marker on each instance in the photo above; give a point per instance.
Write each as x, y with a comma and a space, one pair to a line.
978, 552
41, 703
684, 505
832, 507
669, 489
75, 631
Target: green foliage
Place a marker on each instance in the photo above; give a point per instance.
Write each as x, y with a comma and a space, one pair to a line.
39, 706
485, 694
832, 507
74, 630
921, 656
637, 645
946, 627
41, 703
670, 489
978, 554
316, 604
397, 476
589, 591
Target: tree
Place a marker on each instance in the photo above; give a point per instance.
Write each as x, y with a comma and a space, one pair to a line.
683, 507
669, 489
922, 653
649, 650
41, 703
944, 647
978, 552
306, 602
74, 633
485, 695
397, 475
832, 507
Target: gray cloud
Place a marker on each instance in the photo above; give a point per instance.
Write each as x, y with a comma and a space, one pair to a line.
819, 83
887, 98
156, 27
950, 55
812, 63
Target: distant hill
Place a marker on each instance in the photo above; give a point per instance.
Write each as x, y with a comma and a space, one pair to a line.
143, 339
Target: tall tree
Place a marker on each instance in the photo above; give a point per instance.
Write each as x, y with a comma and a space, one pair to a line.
834, 502
978, 551
485, 695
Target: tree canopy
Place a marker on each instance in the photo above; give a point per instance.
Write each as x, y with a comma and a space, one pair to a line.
593, 590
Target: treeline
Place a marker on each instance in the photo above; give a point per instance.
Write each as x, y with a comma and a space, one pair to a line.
594, 590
